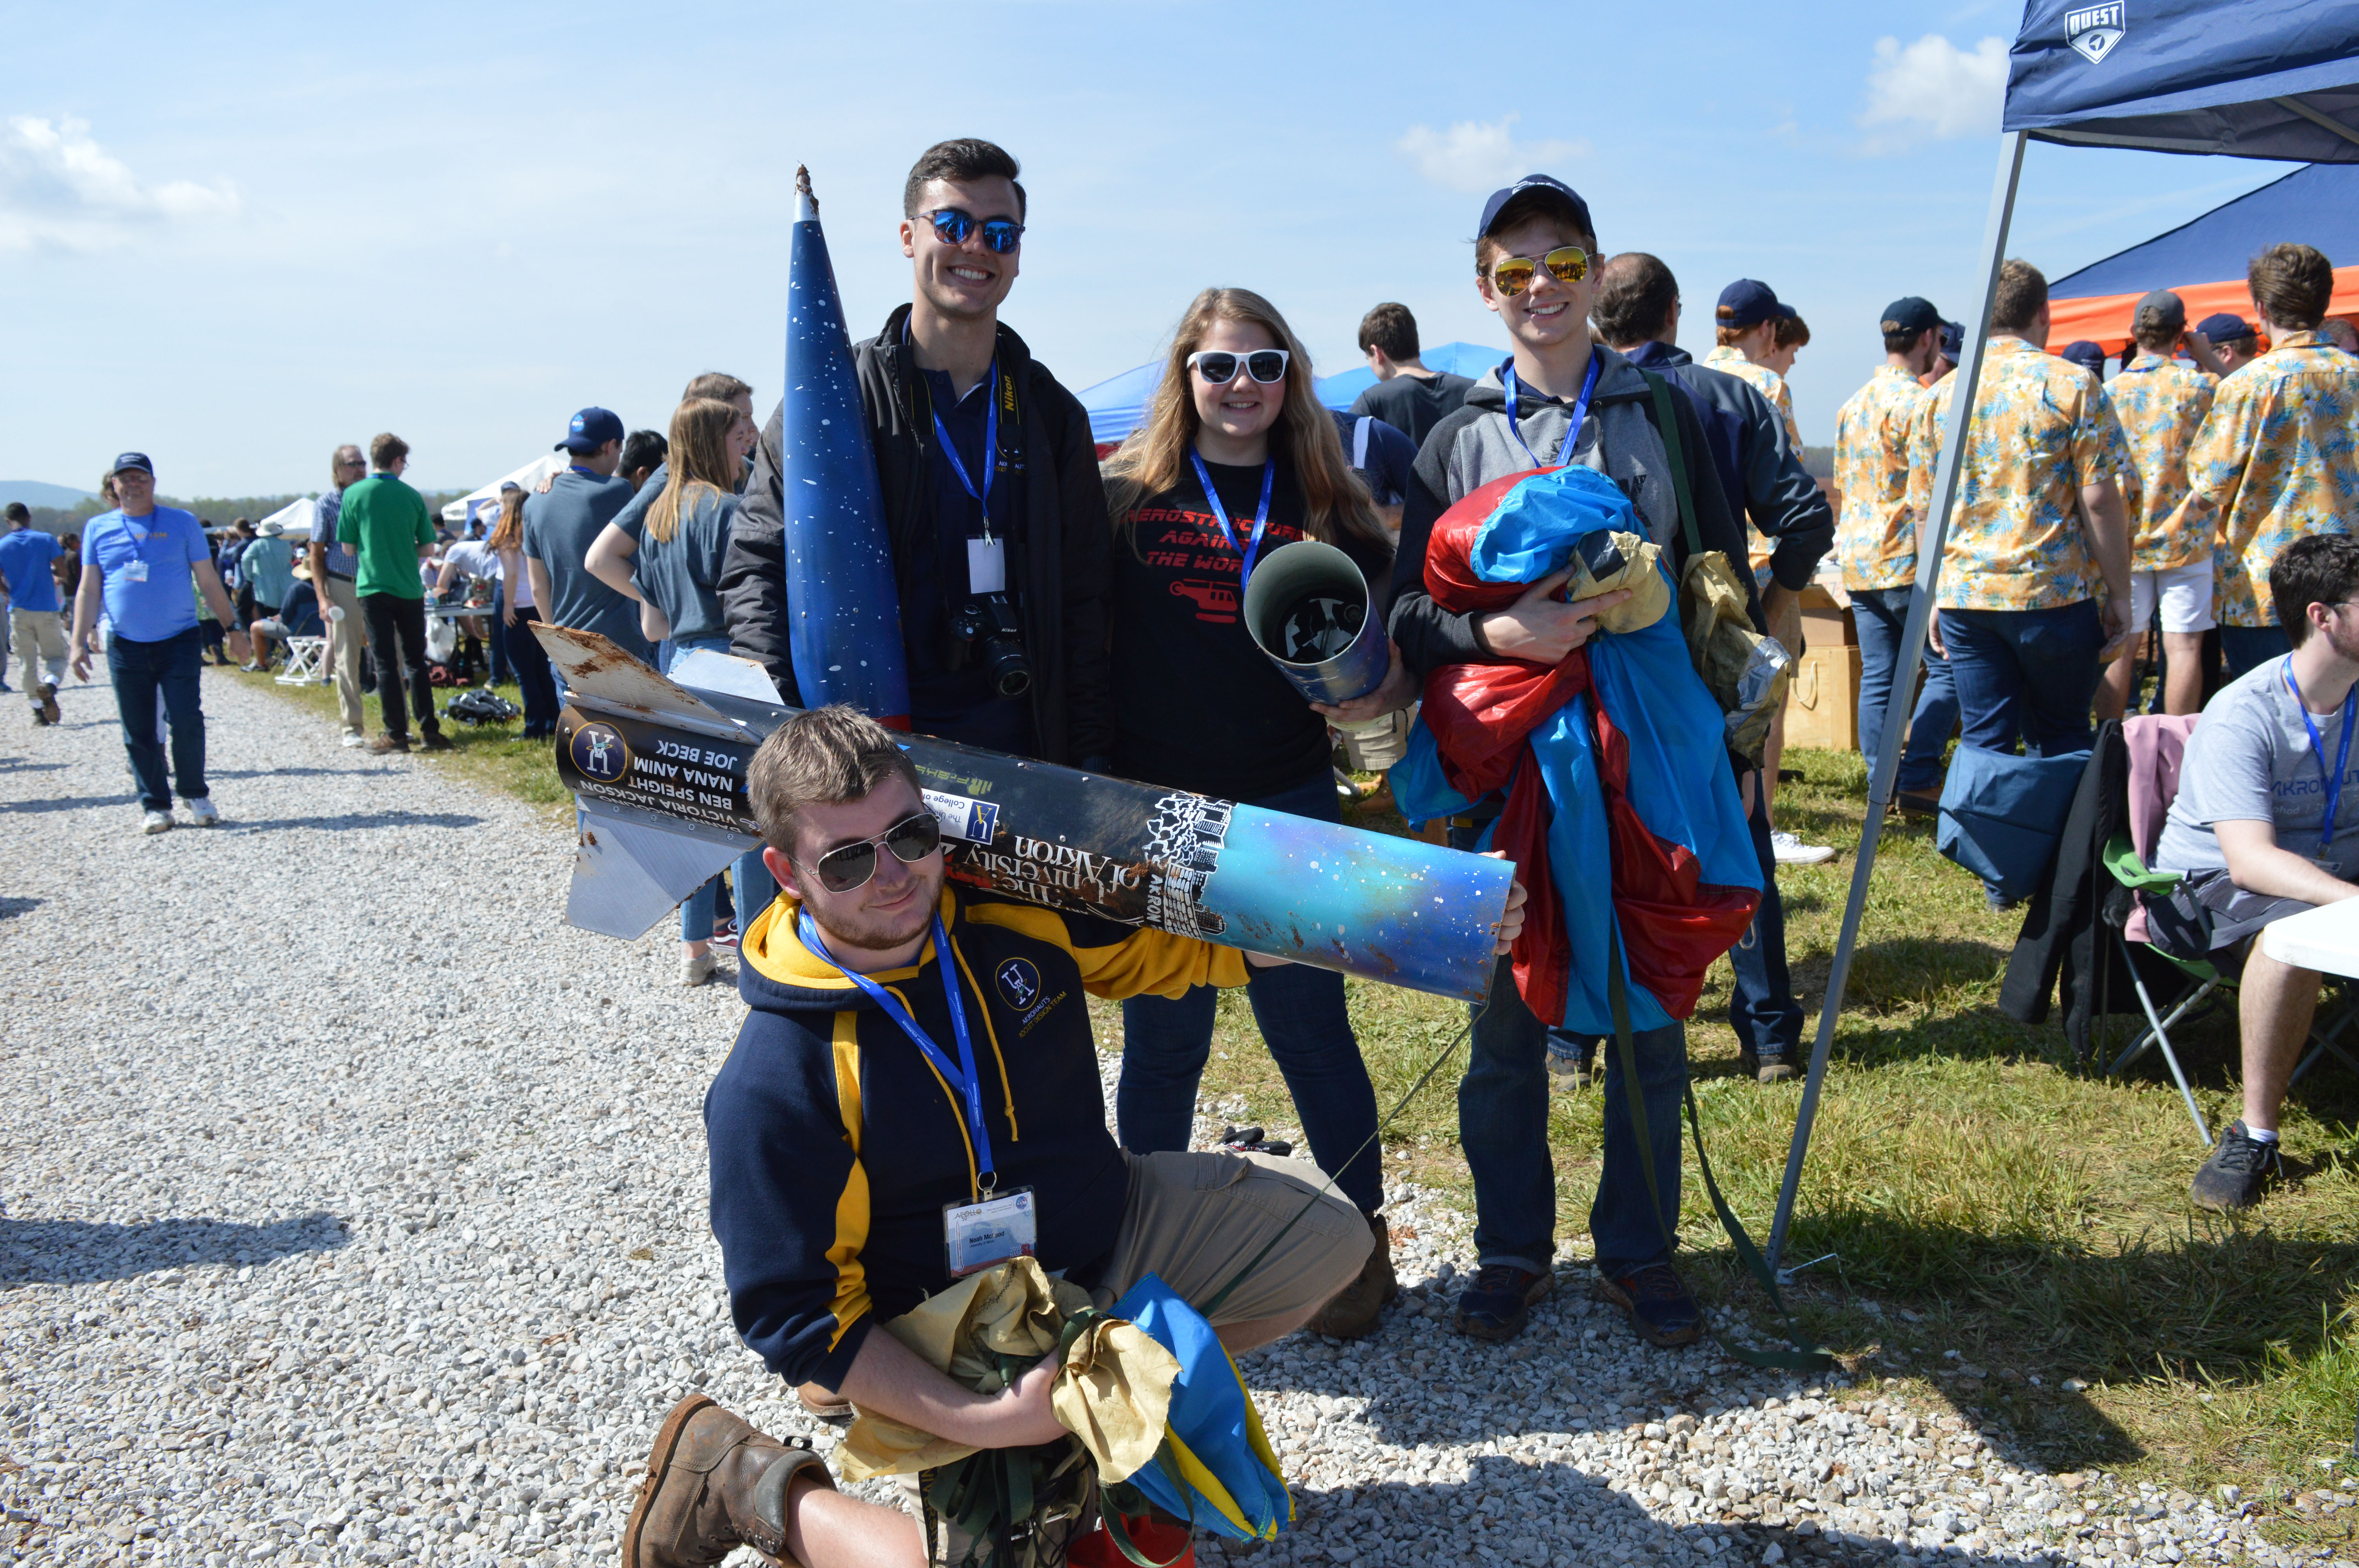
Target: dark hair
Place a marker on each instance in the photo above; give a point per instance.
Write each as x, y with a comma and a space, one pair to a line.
2322, 569
718, 385
1636, 296
1391, 327
961, 162
17, 512
822, 756
644, 449
2021, 295
1901, 342
388, 449
1522, 208
1793, 332
2292, 284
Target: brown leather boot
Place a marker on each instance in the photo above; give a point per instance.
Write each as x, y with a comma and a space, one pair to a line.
714, 1484
1350, 1313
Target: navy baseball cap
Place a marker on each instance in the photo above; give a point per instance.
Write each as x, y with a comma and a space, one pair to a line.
2089, 356
1909, 314
134, 461
2160, 310
591, 429
2225, 327
1566, 194
1748, 302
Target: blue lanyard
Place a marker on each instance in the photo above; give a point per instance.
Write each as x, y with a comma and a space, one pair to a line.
2333, 784
990, 448
1221, 514
1572, 431
963, 1078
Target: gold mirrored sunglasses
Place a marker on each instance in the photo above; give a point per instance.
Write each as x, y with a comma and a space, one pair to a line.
1513, 275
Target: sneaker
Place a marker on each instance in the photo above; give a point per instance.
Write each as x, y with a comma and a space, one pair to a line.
156, 822
695, 969
1499, 1302
249, 667
386, 745
1249, 1141
352, 737
1655, 1302
725, 935
2240, 1167
1352, 1311
1773, 1068
203, 813
41, 719
1792, 851
45, 697
437, 741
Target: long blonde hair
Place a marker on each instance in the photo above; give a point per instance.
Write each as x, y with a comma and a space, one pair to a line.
507, 533
698, 459
1336, 505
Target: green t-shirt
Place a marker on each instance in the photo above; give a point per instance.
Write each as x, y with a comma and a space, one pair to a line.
384, 521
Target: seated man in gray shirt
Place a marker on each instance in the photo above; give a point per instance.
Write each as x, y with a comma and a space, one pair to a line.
2265, 827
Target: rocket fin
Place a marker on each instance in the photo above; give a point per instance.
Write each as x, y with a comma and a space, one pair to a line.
591, 664
629, 871
702, 669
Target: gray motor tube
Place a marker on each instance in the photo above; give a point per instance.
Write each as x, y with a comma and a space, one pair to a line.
1307, 569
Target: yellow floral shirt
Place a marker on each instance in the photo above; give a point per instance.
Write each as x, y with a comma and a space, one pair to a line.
1877, 541
2042, 428
2162, 403
2279, 458
1771, 385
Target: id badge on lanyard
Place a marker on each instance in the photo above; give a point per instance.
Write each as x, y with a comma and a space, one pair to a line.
136, 571
977, 1235
986, 558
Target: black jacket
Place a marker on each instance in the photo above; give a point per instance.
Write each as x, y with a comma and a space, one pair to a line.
1058, 565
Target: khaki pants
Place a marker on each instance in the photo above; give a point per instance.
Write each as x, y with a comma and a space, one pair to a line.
41, 633
344, 640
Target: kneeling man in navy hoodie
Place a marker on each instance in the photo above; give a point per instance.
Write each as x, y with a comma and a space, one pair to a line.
917, 1059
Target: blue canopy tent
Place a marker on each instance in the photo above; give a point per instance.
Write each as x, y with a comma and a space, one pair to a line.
1117, 405
2261, 79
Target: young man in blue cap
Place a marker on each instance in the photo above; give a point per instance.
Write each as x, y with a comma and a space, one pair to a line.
562, 522
2223, 343
139, 560
2088, 356
1575, 401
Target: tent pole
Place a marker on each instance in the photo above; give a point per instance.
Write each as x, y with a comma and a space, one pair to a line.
1904, 678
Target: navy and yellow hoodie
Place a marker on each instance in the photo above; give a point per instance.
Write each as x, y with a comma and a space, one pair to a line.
834, 1142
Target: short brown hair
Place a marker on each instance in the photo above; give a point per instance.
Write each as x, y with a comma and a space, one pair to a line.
388, 449
1391, 327
2020, 297
718, 385
1635, 294
962, 161
1522, 208
2317, 568
2157, 328
824, 756
1793, 332
2292, 284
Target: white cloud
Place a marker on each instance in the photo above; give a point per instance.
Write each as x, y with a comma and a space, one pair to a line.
1934, 88
1472, 155
59, 188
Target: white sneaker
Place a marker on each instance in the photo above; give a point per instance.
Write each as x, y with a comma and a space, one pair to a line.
203, 813
1792, 851
695, 969
157, 822
354, 738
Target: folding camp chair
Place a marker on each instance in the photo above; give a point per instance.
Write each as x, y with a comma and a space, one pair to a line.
304, 656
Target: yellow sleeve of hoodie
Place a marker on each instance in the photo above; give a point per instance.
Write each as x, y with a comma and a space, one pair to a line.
1141, 962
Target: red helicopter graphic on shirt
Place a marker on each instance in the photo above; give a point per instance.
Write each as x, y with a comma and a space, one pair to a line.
1215, 602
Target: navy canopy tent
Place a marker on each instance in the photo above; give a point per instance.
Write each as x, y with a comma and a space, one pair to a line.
2262, 79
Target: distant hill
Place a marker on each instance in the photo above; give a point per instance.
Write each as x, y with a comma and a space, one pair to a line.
33, 492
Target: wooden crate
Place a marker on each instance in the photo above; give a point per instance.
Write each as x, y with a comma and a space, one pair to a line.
1825, 623
1822, 703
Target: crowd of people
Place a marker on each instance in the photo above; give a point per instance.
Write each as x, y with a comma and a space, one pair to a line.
2204, 487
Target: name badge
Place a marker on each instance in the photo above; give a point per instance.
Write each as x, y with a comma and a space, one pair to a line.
136, 571
986, 566
977, 1235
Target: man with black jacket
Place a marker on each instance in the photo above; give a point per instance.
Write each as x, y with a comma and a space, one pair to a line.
1560, 398
942, 382
1638, 313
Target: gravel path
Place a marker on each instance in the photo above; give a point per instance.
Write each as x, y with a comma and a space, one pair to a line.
352, 1210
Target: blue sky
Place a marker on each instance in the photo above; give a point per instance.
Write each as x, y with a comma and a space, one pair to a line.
233, 236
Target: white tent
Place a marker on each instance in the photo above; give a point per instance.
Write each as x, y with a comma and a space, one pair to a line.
529, 477
298, 517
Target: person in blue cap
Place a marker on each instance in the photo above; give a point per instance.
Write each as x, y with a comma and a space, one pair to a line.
139, 560
560, 525
2223, 343
2089, 356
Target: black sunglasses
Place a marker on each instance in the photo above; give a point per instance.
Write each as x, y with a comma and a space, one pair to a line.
952, 225
1219, 366
850, 865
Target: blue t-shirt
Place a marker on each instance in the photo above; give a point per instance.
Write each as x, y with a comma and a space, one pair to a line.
558, 528
159, 548
25, 557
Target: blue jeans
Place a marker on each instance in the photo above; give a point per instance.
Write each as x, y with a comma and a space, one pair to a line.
2247, 648
1302, 1019
143, 672
2025, 672
1761, 1005
1880, 615
501, 671
755, 887
1503, 1110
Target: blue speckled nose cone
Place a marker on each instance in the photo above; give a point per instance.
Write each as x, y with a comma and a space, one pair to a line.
846, 635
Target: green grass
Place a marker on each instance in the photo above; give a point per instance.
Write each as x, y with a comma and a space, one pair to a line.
1983, 1192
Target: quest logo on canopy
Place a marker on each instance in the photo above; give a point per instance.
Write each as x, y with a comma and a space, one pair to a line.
2095, 30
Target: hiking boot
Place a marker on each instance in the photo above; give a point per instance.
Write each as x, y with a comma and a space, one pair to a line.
437, 741
2240, 1167
714, 1484
1655, 1302
387, 745
1350, 1313
1499, 1302
1770, 1067
45, 697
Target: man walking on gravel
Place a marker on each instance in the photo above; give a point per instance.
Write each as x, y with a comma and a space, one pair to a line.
139, 560
26, 553
387, 525
334, 568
